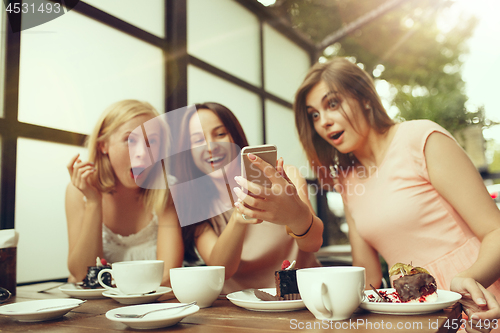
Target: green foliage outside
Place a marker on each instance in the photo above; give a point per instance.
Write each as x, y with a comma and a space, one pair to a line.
405, 47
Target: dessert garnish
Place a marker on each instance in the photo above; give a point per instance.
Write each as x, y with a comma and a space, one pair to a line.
382, 297
413, 285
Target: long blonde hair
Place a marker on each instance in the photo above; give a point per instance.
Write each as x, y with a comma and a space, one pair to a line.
349, 80
113, 117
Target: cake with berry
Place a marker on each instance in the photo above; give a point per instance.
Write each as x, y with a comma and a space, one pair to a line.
90, 280
286, 284
286, 281
414, 284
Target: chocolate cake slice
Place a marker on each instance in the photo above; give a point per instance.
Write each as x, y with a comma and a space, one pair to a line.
286, 282
414, 284
90, 281
415, 287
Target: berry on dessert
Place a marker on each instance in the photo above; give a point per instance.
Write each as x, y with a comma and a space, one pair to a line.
90, 281
285, 264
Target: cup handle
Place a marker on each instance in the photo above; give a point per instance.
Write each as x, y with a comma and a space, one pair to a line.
320, 295
99, 279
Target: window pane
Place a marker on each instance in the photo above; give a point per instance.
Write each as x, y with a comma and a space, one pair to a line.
205, 87
148, 15
40, 217
285, 64
281, 131
73, 67
226, 35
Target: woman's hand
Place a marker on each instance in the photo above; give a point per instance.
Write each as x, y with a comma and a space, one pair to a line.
80, 172
479, 304
279, 204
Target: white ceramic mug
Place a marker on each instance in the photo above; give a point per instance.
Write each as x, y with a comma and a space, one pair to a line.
202, 284
134, 277
331, 293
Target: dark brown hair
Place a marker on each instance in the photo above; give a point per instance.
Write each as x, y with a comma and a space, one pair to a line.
185, 168
346, 79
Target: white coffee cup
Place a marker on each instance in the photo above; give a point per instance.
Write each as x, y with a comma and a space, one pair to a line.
202, 284
331, 293
134, 277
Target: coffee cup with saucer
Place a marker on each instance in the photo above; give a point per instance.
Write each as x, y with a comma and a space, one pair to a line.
136, 278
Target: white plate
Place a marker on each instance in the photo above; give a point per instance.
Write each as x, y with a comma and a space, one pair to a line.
79, 292
247, 299
154, 320
445, 299
40, 310
137, 299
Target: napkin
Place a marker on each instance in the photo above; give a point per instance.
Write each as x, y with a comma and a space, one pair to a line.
8, 238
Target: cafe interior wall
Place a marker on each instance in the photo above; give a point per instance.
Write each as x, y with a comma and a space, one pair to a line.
71, 68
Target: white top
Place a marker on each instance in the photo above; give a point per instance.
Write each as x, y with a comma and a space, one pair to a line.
138, 246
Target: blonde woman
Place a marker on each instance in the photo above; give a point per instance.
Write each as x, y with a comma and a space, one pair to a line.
108, 214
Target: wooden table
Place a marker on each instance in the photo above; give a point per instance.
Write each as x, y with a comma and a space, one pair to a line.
222, 317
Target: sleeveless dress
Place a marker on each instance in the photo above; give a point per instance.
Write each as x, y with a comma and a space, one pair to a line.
265, 247
399, 213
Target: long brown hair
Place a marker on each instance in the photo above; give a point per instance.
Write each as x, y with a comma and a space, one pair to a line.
184, 168
346, 79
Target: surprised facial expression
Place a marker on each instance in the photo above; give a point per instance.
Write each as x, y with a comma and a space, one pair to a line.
337, 118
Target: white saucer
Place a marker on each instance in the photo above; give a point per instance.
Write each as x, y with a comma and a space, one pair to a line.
154, 320
137, 299
40, 310
83, 293
445, 299
247, 299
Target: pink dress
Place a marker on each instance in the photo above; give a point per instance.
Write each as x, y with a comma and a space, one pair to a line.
265, 247
399, 213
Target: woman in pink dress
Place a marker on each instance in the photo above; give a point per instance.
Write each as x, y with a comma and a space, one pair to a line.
410, 192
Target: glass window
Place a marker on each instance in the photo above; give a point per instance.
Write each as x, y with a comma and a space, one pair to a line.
73, 67
285, 64
226, 35
205, 87
40, 216
281, 131
148, 15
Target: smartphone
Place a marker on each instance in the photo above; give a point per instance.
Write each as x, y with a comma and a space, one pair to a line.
251, 172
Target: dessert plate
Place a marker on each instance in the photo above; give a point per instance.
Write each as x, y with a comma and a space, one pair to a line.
247, 299
79, 292
154, 320
137, 299
445, 299
40, 310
